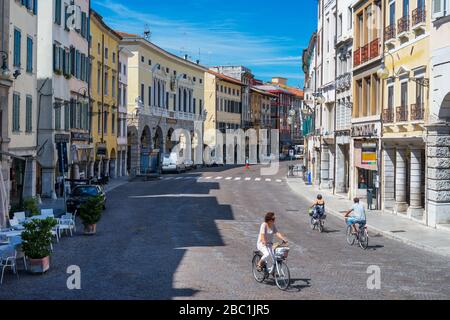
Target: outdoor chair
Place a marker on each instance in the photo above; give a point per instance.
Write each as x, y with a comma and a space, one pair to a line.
9, 261
66, 224
20, 216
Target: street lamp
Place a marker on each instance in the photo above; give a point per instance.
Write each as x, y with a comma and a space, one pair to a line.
5, 73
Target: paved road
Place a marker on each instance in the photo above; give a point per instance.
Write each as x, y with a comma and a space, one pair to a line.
192, 237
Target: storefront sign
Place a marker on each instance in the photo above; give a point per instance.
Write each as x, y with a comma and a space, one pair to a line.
62, 138
366, 156
365, 130
80, 136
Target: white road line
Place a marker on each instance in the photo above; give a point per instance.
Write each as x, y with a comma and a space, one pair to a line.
268, 180
248, 179
179, 178
237, 179
207, 178
257, 179
279, 180
218, 178
229, 178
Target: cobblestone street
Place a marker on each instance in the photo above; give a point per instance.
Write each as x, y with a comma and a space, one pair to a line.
192, 237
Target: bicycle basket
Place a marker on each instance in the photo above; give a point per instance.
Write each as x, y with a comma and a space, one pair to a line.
311, 212
281, 253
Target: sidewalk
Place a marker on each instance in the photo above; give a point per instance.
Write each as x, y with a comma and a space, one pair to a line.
389, 225
58, 204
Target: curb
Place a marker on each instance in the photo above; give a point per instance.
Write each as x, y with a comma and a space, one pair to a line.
387, 234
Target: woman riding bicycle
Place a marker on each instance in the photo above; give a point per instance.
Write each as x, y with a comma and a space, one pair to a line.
319, 207
265, 238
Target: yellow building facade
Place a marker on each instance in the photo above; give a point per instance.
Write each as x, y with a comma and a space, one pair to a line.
223, 103
405, 105
104, 95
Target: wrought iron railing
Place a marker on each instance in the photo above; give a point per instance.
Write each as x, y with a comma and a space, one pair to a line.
417, 111
389, 33
401, 114
388, 115
403, 24
419, 16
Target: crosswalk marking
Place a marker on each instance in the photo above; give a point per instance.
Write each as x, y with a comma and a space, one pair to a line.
257, 179
207, 178
229, 178
179, 178
248, 179
218, 178
238, 178
279, 180
268, 180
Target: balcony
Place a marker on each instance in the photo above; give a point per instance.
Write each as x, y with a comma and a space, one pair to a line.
403, 27
401, 114
365, 53
417, 112
419, 18
389, 35
374, 49
388, 115
357, 58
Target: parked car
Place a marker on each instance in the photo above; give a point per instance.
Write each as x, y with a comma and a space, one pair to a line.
170, 163
80, 194
189, 164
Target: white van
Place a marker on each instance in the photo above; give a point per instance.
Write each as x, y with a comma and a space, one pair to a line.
171, 163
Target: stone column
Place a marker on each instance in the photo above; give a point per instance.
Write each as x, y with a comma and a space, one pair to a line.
415, 206
99, 168
29, 188
75, 171
48, 183
325, 167
135, 159
388, 178
125, 157
400, 181
106, 167
119, 164
340, 170
438, 175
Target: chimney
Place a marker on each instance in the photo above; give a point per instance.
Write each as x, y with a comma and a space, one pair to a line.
185, 57
198, 61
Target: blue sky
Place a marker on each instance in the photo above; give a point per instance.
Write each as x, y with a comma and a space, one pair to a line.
266, 36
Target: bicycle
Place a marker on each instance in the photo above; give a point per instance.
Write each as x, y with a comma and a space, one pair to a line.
362, 236
319, 223
279, 269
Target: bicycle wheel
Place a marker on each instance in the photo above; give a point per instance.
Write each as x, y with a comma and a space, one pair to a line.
350, 236
282, 275
259, 276
363, 238
313, 224
321, 226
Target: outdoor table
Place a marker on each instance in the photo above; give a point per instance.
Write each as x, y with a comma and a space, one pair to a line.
14, 242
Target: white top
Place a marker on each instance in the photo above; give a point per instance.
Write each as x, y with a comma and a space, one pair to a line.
268, 232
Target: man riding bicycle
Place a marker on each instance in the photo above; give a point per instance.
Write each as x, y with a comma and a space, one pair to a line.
358, 217
265, 238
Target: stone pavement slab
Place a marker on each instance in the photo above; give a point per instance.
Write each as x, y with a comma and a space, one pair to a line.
389, 225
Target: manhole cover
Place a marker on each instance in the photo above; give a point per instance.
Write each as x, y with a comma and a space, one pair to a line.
398, 231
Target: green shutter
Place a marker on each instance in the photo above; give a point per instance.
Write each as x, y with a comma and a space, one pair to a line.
29, 114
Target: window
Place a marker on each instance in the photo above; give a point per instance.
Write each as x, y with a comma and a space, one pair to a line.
419, 94
98, 48
99, 80
339, 26
350, 18
124, 96
29, 54
124, 69
142, 59
105, 122
16, 113
29, 114
113, 86
66, 117
149, 62
142, 94
99, 119
149, 95
114, 57
113, 123
58, 12
167, 100
391, 97
106, 84
438, 8
106, 53
58, 117
404, 94
392, 13
17, 40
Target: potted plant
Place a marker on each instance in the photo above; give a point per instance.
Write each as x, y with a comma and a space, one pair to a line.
90, 214
36, 242
31, 206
